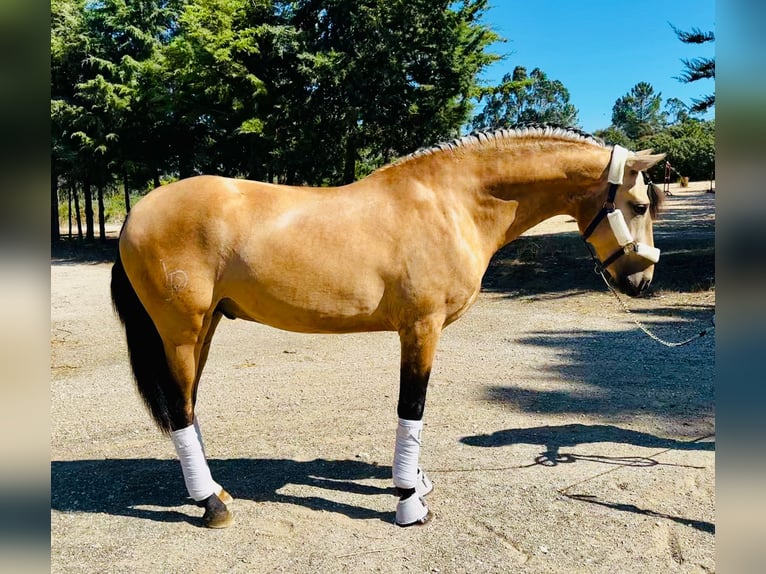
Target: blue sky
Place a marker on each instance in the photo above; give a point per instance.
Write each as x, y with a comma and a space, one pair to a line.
599, 50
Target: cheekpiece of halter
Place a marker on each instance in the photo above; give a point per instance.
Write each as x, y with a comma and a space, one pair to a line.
616, 219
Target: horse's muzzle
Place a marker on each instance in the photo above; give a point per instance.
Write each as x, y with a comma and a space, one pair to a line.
634, 285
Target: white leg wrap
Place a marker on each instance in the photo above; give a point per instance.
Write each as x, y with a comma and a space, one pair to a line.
199, 481
199, 435
406, 453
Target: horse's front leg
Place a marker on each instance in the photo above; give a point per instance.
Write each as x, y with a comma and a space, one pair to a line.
419, 343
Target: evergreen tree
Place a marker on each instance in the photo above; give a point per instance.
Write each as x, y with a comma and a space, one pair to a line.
302, 91
697, 68
522, 98
638, 113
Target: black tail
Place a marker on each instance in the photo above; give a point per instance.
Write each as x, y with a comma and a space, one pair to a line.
147, 354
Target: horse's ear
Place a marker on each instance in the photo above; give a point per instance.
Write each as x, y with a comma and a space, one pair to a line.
644, 161
645, 152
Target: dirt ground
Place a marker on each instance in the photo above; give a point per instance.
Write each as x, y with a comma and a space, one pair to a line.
559, 437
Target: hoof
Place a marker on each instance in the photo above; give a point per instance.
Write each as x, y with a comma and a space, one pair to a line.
225, 497
216, 514
412, 511
423, 486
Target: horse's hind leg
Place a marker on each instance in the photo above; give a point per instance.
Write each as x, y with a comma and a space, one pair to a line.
418, 349
169, 320
185, 367
225, 497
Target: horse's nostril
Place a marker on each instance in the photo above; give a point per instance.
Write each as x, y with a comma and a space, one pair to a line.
634, 286
642, 286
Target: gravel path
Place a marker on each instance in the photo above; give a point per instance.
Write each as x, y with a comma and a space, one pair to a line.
558, 436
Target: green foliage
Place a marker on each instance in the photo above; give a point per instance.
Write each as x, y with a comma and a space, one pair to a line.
638, 113
522, 98
302, 91
689, 142
697, 68
615, 136
317, 92
677, 112
690, 149
381, 79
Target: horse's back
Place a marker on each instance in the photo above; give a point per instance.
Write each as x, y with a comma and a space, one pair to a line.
202, 214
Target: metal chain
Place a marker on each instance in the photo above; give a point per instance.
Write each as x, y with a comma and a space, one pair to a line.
642, 326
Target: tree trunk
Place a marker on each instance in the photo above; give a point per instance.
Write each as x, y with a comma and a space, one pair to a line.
69, 208
55, 230
77, 213
349, 161
126, 189
101, 214
156, 178
186, 162
89, 231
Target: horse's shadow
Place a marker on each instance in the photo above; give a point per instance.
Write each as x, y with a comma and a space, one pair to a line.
553, 438
127, 487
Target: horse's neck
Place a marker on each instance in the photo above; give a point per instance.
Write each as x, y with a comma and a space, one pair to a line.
508, 187
546, 180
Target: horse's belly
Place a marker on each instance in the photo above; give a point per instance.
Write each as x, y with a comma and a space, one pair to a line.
309, 307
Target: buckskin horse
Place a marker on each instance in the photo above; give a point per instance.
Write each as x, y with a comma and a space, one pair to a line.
403, 250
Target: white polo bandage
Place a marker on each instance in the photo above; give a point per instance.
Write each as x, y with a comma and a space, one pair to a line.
406, 453
198, 430
199, 481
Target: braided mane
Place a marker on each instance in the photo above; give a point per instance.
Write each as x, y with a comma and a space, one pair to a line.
503, 134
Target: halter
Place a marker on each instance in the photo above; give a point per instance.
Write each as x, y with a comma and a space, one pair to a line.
616, 220
625, 240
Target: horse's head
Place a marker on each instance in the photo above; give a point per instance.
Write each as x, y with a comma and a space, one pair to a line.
620, 232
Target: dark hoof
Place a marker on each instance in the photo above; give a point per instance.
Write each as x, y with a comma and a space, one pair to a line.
216, 514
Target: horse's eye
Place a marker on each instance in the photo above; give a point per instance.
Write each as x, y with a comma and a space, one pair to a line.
640, 208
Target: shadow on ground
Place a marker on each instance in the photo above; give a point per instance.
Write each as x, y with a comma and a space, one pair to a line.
620, 373
554, 438
560, 264
124, 487
77, 251
700, 525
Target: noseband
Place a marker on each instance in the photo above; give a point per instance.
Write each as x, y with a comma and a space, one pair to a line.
615, 218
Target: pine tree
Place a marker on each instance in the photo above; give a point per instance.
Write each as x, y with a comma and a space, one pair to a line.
697, 68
